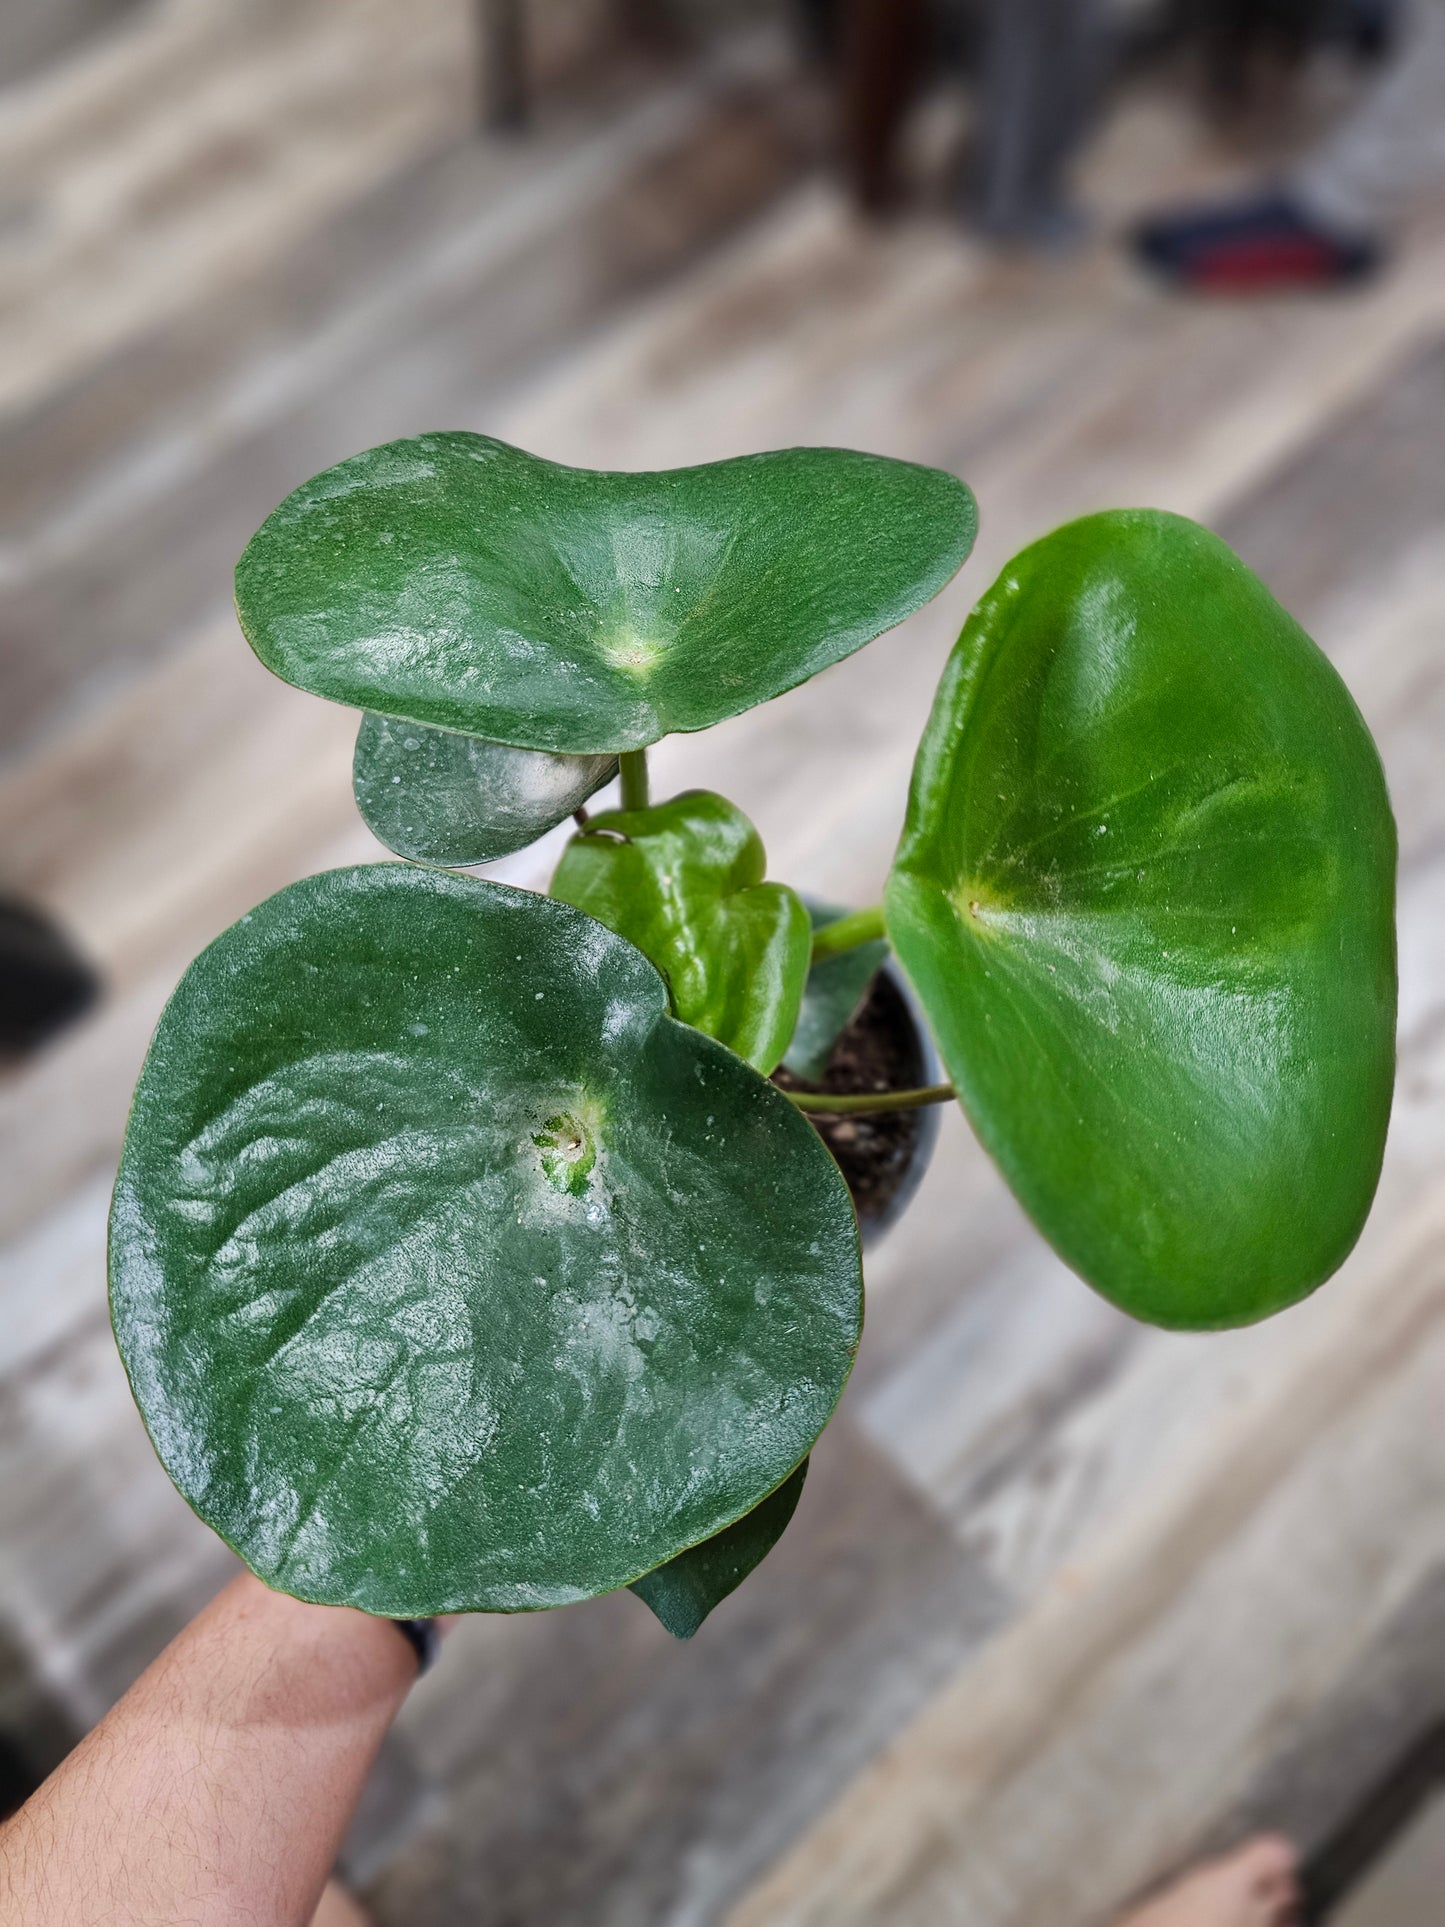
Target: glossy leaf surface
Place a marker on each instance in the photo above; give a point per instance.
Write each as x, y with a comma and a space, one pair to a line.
1145, 893
834, 989
449, 1270
684, 1591
684, 881
441, 797
457, 581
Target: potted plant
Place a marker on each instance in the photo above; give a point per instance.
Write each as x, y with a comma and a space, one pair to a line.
466, 1252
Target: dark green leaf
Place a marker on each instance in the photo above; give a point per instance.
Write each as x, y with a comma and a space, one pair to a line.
684, 882
454, 580
834, 990
684, 1591
449, 1270
445, 798
1145, 893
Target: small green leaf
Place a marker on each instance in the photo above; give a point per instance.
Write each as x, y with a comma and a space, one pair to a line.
833, 992
454, 580
684, 882
684, 1591
440, 797
1145, 893
449, 1270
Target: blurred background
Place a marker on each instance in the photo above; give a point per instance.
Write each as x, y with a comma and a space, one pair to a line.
1066, 1601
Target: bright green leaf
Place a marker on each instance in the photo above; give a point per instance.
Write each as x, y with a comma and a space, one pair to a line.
1145, 893
684, 882
684, 1591
834, 989
454, 580
449, 1270
445, 798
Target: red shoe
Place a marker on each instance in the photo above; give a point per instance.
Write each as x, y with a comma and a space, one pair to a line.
1251, 247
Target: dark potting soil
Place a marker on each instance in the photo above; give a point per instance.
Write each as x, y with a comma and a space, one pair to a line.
879, 1051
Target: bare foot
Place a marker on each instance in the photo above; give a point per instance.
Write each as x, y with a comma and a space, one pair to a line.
338, 1909
1255, 1886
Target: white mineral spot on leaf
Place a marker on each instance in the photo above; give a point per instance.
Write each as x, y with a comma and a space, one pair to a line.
636, 654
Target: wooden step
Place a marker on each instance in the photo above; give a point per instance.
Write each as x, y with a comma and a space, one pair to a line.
1026, 1513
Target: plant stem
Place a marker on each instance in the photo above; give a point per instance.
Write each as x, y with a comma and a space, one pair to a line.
862, 926
866, 1101
632, 767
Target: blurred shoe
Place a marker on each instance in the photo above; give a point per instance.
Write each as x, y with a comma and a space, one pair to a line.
1252, 247
45, 983
1371, 27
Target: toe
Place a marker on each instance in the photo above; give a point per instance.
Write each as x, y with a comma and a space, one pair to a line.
1270, 1863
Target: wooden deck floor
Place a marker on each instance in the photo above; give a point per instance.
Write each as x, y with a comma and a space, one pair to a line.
1065, 1598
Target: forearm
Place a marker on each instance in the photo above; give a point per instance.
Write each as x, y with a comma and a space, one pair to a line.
219, 1788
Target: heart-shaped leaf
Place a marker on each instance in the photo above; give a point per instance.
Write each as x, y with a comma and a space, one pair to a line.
684, 1591
449, 1270
684, 882
454, 580
834, 989
1145, 893
441, 797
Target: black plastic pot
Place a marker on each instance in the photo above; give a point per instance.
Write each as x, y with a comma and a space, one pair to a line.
921, 1067
924, 1069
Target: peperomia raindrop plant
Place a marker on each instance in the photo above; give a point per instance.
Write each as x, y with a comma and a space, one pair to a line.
470, 1251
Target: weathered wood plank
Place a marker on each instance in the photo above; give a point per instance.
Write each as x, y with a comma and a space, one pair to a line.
133, 205
100, 1558
600, 1773
1156, 1675
1407, 1885
1365, 1758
